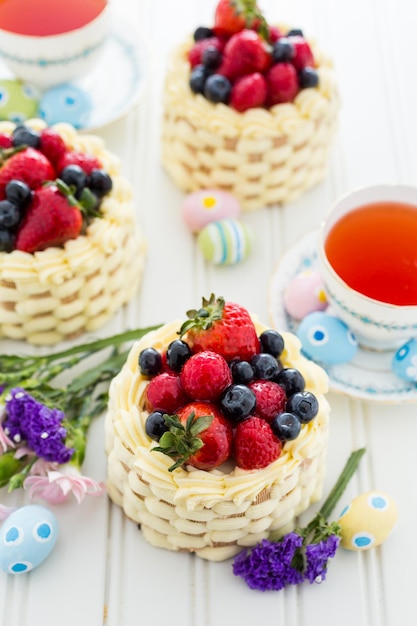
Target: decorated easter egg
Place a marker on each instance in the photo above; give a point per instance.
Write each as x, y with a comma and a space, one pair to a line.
326, 339
305, 294
225, 242
367, 521
27, 537
208, 205
19, 101
66, 103
404, 361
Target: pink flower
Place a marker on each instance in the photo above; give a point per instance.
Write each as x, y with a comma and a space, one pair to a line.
57, 486
5, 442
5, 511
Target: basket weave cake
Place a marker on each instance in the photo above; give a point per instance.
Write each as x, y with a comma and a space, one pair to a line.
263, 157
58, 293
211, 513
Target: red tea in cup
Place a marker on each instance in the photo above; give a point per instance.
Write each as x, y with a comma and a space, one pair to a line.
47, 17
373, 249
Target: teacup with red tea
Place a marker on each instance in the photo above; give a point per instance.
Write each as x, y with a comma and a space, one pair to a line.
46, 42
368, 260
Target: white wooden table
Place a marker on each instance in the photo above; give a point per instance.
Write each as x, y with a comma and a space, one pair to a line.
102, 571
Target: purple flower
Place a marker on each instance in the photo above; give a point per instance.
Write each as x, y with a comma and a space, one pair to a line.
267, 566
273, 565
41, 427
317, 555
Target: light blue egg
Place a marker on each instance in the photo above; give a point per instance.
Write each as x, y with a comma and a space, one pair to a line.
27, 537
404, 361
326, 339
66, 103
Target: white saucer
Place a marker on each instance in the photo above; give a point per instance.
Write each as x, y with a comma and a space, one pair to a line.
368, 376
118, 81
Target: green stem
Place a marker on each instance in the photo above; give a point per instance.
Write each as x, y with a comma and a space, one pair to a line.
341, 483
99, 344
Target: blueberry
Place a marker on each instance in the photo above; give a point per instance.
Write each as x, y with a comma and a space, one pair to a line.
100, 182
308, 77
24, 136
304, 405
265, 366
178, 353
211, 58
237, 402
272, 342
74, 176
150, 362
242, 372
9, 214
202, 32
155, 425
295, 32
291, 380
283, 50
7, 241
217, 88
198, 79
286, 426
18, 192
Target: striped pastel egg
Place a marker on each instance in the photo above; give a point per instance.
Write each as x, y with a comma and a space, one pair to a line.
367, 521
225, 242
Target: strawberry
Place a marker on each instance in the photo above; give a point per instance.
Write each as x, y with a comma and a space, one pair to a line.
232, 16
244, 53
248, 92
29, 166
270, 399
205, 376
5, 141
255, 445
87, 162
165, 393
52, 145
222, 327
282, 81
303, 55
52, 218
195, 55
199, 436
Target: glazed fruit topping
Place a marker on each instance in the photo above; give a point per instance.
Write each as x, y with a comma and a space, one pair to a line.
234, 385
48, 193
244, 62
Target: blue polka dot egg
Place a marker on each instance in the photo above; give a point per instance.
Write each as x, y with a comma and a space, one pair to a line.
27, 537
367, 521
326, 339
404, 362
66, 103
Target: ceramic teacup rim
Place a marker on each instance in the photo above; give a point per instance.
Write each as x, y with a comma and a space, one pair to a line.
326, 223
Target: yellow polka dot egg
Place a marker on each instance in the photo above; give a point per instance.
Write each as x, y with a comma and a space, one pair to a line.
367, 521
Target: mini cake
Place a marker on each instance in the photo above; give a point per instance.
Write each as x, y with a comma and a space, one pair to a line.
251, 112
260, 458
70, 251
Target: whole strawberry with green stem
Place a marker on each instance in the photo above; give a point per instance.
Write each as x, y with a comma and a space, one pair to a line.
232, 16
53, 217
199, 435
27, 165
222, 327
